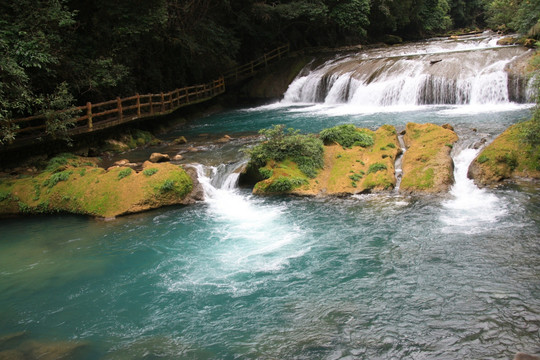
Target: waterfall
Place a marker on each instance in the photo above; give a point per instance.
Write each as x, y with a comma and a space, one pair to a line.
471, 73
219, 179
471, 209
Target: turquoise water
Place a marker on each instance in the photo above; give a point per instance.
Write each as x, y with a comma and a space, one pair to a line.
239, 276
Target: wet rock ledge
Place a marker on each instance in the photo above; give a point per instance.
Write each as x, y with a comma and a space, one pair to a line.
427, 165
77, 185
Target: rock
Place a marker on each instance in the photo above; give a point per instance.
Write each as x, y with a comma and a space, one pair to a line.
506, 158
121, 162
177, 157
224, 139
448, 127
523, 356
479, 144
509, 40
179, 140
158, 157
192, 149
346, 171
427, 165
115, 146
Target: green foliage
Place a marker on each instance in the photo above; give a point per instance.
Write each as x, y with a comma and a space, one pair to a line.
150, 171
124, 172
509, 159
5, 195
167, 185
305, 150
266, 173
59, 162
391, 145
347, 136
284, 184
522, 16
373, 168
56, 178
482, 159
82, 172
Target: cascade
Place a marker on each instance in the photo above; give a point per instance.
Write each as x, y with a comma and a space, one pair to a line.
470, 208
471, 72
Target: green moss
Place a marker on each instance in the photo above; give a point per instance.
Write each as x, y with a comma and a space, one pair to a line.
150, 171
266, 173
284, 184
482, 159
56, 178
5, 195
124, 172
373, 168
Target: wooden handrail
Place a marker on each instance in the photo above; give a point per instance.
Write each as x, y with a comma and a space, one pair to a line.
91, 117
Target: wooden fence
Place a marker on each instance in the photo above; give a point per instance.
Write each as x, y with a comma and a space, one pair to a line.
92, 117
252, 67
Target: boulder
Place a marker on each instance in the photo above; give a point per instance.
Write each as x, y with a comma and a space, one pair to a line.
427, 165
523, 356
121, 162
159, 157
179, 140
448, 127
177, 157
507, 158
224, 139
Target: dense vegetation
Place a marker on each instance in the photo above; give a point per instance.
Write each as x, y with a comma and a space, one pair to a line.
59, 52
280, 144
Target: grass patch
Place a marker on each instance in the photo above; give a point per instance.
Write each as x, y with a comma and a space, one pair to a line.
150, 172
285, 184
347, 136
56, 178
373, 168
124, 172
59, 162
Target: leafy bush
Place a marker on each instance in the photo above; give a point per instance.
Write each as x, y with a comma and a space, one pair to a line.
168, 185
150, 172
285, 184
391, 145
56, 178
4, 195
59, 162
346, 136
373, 168
124, 172
305, 150
266, 173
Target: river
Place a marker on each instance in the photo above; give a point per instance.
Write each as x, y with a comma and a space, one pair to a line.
387, 276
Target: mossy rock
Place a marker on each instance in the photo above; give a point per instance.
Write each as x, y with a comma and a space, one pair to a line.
80, 187
427, 164
507, 158
346, 171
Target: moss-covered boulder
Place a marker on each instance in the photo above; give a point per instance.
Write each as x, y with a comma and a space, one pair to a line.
77, 185
427, 165
358, 168
507, 158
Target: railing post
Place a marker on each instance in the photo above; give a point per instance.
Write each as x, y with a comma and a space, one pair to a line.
187, 95
138, 105
119, 108
171, 106
162, 102
151, 105
89, 114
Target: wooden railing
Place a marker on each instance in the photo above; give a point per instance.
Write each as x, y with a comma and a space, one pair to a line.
99, 116
252, 67
92, 117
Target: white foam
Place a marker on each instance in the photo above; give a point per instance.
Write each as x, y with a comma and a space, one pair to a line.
471, 209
